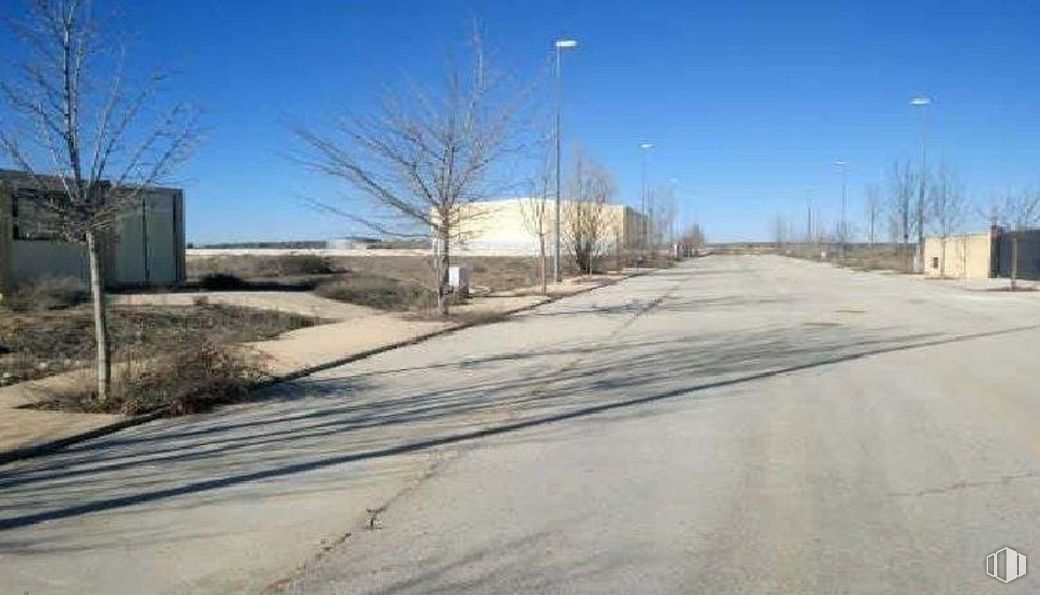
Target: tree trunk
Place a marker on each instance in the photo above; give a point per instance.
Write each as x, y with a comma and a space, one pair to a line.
97, 294
443, 263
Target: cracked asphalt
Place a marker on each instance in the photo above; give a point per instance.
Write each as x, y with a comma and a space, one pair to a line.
735, 425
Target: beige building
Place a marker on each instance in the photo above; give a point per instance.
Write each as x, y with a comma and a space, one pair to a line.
965, 256
506, 227
145, 246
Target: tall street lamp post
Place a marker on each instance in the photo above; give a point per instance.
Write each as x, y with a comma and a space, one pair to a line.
644, 240
922, 103
560, 45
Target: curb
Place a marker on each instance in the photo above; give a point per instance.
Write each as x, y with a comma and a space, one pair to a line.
45, 448
52, 446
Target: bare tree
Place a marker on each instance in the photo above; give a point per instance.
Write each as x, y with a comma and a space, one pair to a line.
902, 184
693, 237
1017, 210
779, 230
584, 219
76, 116
947, 207
537, 213
667, 210
650, 222
874, 206
424, 159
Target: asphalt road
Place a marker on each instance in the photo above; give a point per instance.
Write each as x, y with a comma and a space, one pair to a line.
739, 424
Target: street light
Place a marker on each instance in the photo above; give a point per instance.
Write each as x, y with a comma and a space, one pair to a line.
645, 148
843, 167
560, 45
922, 103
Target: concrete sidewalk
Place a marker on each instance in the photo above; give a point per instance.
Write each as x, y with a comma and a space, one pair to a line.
354, 332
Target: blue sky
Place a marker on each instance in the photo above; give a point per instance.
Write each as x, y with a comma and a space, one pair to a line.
748, 104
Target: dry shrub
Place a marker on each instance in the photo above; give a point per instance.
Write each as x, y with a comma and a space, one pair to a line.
188, 380
378, 292
44, 343
52, 293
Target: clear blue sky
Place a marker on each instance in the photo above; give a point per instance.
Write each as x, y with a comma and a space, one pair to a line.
748, 103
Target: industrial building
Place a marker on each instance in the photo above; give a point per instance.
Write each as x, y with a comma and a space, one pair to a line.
994, 253
144, 247
505, 228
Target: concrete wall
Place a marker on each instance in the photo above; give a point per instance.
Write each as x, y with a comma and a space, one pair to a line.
37, 260
499, 228
967, 256
146, 245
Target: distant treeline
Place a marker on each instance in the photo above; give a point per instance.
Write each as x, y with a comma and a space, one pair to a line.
295, 245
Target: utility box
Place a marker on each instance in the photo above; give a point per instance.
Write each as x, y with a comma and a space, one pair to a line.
458, 280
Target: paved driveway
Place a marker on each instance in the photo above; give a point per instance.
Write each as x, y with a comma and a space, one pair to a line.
739, 424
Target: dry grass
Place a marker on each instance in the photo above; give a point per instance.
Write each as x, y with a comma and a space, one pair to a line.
33, 345
54, 293
862, 257
248, 267
388, 282
378, 292
496, 273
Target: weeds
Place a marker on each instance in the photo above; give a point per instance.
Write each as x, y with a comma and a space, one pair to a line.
45, 343
189, 378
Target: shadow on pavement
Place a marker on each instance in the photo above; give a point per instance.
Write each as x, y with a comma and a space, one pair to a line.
347, 418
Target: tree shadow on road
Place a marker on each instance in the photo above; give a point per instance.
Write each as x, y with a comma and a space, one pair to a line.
383, 409
342, 417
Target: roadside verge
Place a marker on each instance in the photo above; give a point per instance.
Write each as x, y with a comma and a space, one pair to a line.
323, 348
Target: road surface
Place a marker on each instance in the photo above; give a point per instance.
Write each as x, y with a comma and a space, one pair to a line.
736, 425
